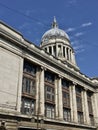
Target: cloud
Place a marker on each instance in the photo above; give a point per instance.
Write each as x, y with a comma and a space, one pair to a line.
70, 29
72, 2
79, 34
78, 46
86, 24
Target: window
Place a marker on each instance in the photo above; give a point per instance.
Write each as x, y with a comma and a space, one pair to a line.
66, 114
29, 86
78, 99
29, 68
80, 117
91, 119
49, 111
28, 106
65, 84
79, 104
49, 77
66, 100
49, 93
89, 100
65, 93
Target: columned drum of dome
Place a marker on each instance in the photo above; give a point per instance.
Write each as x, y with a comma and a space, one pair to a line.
56, 42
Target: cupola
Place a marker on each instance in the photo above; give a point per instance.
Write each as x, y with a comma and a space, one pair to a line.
56, 42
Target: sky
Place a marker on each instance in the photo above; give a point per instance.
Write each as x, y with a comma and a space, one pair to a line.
78, 18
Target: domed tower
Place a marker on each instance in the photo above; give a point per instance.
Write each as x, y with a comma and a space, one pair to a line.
56, 42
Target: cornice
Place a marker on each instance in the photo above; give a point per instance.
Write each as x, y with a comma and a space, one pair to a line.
35, 51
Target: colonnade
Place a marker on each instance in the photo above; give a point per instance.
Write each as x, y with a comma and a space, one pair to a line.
62, 52
40, 99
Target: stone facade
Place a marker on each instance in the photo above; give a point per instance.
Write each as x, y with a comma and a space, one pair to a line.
43, 104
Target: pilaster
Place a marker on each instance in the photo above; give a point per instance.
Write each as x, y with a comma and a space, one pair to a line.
60, 104
40, 92
74, 115
95, 107
85, 107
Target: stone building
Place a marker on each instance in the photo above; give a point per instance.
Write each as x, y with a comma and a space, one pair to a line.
42, 87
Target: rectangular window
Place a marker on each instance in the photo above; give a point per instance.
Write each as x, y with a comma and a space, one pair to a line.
66, 114
66, 99
28, 106
80, 117
79, 104
79, 98
49, 93
29, 68
29, 86
49, 111
91, 119
49, 77
89, 100
65, 84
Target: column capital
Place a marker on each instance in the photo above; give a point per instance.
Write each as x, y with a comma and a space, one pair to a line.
43, 68
59, 76
74, 83
85, 89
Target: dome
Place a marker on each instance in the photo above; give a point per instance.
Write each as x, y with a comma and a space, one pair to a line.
55, 32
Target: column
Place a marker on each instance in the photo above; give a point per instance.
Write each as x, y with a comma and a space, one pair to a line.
69, 53
48, 49
52, 50
61, 50
56, 97
56, 50
19, 85
60, 103
65, 52
73, 102
40, 92
73, 58
95, 107
85, 107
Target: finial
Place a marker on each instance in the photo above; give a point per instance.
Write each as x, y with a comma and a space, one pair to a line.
54, 24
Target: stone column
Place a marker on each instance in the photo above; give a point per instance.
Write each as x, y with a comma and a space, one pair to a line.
73, 58
56, 50
73, 102
61, 50
85, 107
48, 49
60, 102
65, 52
19, 85
69, 53
52, 50
95, 107
56, 97
40, 92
